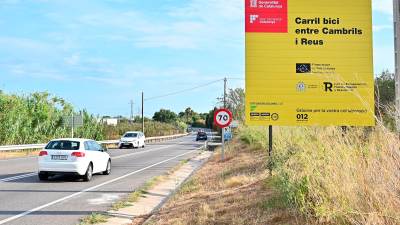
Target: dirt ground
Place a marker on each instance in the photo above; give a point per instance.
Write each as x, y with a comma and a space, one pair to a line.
236, 191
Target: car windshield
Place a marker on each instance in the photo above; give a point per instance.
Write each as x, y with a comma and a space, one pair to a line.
131, 135
63, 145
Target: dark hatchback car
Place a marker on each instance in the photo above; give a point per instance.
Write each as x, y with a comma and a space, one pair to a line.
201, 136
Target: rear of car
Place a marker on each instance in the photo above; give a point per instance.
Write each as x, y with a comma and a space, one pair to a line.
201, 135
75, 157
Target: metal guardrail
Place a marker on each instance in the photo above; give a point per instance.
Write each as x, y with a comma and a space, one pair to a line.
39, 146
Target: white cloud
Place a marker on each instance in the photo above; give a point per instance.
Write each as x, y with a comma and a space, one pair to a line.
23, 43
378, 28
34, 71
383, 58
383, 6
196, 24
9, 2
169, 41
73, 59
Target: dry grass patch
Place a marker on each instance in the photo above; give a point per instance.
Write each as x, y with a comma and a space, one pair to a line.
230, 192
340, 177
237, 181
18, 154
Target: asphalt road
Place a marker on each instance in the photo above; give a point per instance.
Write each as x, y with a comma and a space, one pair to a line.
63, 200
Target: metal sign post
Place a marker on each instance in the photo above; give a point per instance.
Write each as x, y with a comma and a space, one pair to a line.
270, 149
223, 145
396, 20
73, 122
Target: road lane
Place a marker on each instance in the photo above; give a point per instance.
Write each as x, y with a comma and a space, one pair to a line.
12, 168
129, 172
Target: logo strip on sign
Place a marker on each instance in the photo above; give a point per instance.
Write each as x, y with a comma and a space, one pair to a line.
309, 62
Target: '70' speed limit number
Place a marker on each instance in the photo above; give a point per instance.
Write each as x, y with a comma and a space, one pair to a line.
223, 118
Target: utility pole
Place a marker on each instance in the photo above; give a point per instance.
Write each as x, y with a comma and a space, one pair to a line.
131, 110
143, 112
223, 129
396, 20
72, 125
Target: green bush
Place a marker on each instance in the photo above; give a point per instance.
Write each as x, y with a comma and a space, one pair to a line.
38, 118
254, 136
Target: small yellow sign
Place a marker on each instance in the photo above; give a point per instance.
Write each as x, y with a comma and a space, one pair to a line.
309, 62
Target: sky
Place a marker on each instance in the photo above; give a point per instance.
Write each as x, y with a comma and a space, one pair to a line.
101, 54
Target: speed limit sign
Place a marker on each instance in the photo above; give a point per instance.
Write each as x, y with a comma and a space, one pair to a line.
223, 118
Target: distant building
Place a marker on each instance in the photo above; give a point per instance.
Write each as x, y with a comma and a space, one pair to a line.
110, 121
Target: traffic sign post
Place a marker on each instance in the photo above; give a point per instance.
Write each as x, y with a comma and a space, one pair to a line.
223, 118
74, 122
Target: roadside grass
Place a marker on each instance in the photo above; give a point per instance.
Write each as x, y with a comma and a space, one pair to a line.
134, 196
190, 186
93, 218
333, 176
235, 191
18, 154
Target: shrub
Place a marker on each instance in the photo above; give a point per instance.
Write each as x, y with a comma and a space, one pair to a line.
334, 176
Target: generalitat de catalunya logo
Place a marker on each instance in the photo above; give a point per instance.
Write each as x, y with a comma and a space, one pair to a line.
253, 18
253, 3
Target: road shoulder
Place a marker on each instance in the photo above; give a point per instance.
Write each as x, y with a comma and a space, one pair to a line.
149, 200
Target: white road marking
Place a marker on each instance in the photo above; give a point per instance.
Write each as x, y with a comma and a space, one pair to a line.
104, 199
90, 189
17, 177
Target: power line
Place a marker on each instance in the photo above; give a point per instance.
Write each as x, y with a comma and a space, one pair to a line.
184, 90
235, 78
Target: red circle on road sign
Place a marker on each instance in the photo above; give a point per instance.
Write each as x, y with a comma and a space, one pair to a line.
222, 118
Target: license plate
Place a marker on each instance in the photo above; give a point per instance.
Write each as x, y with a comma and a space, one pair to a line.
59, 157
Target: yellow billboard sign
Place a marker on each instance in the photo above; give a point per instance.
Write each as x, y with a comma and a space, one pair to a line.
309, 62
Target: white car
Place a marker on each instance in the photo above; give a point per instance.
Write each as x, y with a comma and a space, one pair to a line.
133, 139
81, 157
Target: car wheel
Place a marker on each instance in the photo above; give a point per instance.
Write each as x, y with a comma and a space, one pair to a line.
43, 176
108, 169
89, 173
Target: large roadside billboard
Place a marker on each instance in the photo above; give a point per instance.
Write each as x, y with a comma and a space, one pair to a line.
309, 62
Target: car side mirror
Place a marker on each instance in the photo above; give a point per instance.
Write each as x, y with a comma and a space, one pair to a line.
104, 148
